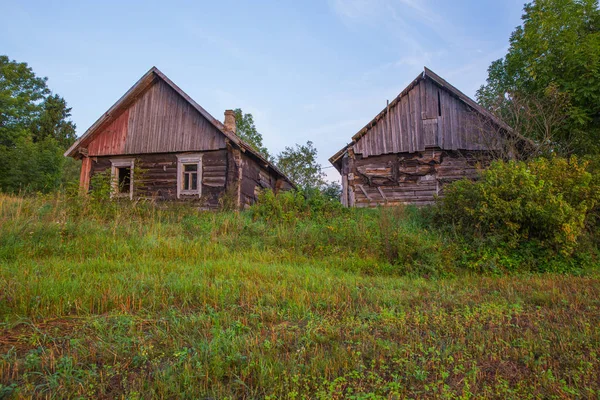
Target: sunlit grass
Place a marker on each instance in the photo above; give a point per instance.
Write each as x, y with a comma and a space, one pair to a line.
145, 302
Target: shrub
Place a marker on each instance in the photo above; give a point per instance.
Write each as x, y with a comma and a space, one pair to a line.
547, 203
293, 205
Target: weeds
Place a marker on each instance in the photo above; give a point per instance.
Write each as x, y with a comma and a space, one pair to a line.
140, 300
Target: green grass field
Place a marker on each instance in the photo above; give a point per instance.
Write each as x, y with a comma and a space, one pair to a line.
135, 301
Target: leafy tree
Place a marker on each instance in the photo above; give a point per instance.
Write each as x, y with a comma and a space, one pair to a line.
53, 122
553, 61
247, 131
21, 94
34, 130
332, 190
300, 165
31, 167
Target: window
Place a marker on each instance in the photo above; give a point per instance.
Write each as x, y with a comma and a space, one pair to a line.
189, 175
122, 177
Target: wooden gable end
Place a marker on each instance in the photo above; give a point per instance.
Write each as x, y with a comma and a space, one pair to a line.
160, 120
426, 116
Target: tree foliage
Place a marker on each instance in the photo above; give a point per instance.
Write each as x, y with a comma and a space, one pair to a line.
53, 122
34, 131
548, 203
300, 164
21, 95
332, 190
247, 131
552, 65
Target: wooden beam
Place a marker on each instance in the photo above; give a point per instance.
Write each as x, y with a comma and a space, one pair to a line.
364, 192
382, 194
84, 178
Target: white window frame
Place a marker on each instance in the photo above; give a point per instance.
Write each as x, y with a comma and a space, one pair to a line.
188, 159
115, 164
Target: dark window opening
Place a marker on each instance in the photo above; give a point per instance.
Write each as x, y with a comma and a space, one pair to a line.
439, 105
190, 177
124, 174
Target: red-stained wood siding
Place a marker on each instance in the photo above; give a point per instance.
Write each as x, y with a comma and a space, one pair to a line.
84, 178
159, 121
112, 138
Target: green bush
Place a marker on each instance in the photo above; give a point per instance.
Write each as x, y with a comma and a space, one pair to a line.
294, 205
547, 205
31, 167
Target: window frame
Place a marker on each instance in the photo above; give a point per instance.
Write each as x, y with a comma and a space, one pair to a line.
115, 164
189, 159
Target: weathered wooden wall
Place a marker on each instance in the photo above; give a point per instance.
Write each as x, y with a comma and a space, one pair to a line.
425, 115
158, 177
405, 178
158, 121
256, 177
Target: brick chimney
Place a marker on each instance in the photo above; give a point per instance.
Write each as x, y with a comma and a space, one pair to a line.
229, 120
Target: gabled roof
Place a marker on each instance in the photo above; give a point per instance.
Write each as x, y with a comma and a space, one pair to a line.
135, 91
439, 81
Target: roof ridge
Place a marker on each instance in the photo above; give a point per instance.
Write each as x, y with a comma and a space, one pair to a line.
144, 80
427, 73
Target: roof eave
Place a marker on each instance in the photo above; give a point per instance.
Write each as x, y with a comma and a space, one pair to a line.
139, 87
427, 73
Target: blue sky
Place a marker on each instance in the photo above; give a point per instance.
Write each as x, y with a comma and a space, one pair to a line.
306, 70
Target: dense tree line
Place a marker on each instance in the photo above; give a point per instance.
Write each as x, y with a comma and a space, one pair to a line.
35, 130
547, 86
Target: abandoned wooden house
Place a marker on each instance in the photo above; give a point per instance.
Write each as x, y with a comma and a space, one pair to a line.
159, 143
429, 135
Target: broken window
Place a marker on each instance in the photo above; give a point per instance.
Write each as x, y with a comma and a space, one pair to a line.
122, 177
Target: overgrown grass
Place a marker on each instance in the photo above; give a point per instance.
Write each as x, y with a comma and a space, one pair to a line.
140, 301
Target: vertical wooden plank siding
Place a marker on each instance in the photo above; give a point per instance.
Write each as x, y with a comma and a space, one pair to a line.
405, 126
395, 147
413, 123
84, 178
420, 139
111, 140
159, 121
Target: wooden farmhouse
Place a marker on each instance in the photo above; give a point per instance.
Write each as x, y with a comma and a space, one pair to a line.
429, 135
159, 143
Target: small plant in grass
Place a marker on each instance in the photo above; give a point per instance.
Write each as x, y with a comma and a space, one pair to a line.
409, 244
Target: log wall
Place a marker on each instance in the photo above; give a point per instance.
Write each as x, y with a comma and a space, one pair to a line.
157, 177
405, 178
257, 177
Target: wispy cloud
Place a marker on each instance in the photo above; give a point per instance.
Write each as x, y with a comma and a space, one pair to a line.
357, 9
